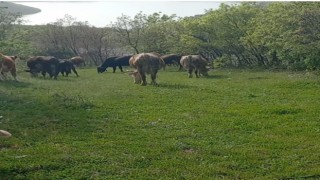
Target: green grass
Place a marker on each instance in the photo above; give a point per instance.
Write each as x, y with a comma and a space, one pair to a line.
233, 125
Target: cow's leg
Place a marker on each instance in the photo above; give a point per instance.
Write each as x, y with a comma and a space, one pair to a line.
143, 78
43, 74
1, 75
114, 69
153, 78
55, 73
14, 74
190, 71
74, 70
120, 67
196, 72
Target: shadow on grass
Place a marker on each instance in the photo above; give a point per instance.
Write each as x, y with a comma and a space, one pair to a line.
12, 83
59, 78
64, 78
258, 78
174, 86
22, 171
216, 77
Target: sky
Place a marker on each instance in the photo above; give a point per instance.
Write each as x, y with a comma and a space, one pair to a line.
102, 13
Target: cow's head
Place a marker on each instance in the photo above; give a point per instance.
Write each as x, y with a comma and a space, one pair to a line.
101, 69
14, 57
33, 72
35, 69
204, 71
136, 77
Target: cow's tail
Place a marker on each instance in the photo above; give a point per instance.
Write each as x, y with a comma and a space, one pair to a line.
162, 64
190, 59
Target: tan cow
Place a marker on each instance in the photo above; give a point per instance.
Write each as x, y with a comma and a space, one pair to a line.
77, 60
146, 63
195, 63
7, 64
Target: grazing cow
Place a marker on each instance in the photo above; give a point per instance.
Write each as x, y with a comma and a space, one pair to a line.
43, 64
196, 63
171, 59
77, 60
66, 66
114, 62
146, 63
7, 64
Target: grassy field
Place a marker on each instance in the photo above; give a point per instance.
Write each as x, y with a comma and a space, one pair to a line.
233, 125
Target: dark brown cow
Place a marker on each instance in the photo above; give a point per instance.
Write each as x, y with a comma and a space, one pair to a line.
65, 66
7, 64
43, 64
172, 59
77, 60
196, 63
114, 62
146, 63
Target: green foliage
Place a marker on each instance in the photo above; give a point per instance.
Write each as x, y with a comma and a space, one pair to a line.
14, 38
249, 34
238, 125
143, 33
291, 31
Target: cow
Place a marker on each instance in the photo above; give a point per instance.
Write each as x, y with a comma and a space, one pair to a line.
146, 63
65, 66
114, 62
77, 60
43, 64
172, 59
196, 63
7, 64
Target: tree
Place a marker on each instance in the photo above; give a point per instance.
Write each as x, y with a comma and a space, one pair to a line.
290, 33
7, 21
14, 38
130, 30
67, 37
161, 33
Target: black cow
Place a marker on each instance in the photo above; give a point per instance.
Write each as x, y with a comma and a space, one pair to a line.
66, 66
172, 59
114, 62
43, 64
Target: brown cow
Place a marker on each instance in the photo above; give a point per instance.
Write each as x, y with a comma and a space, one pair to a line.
146, 63
7, 64
78, 60
196, 63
